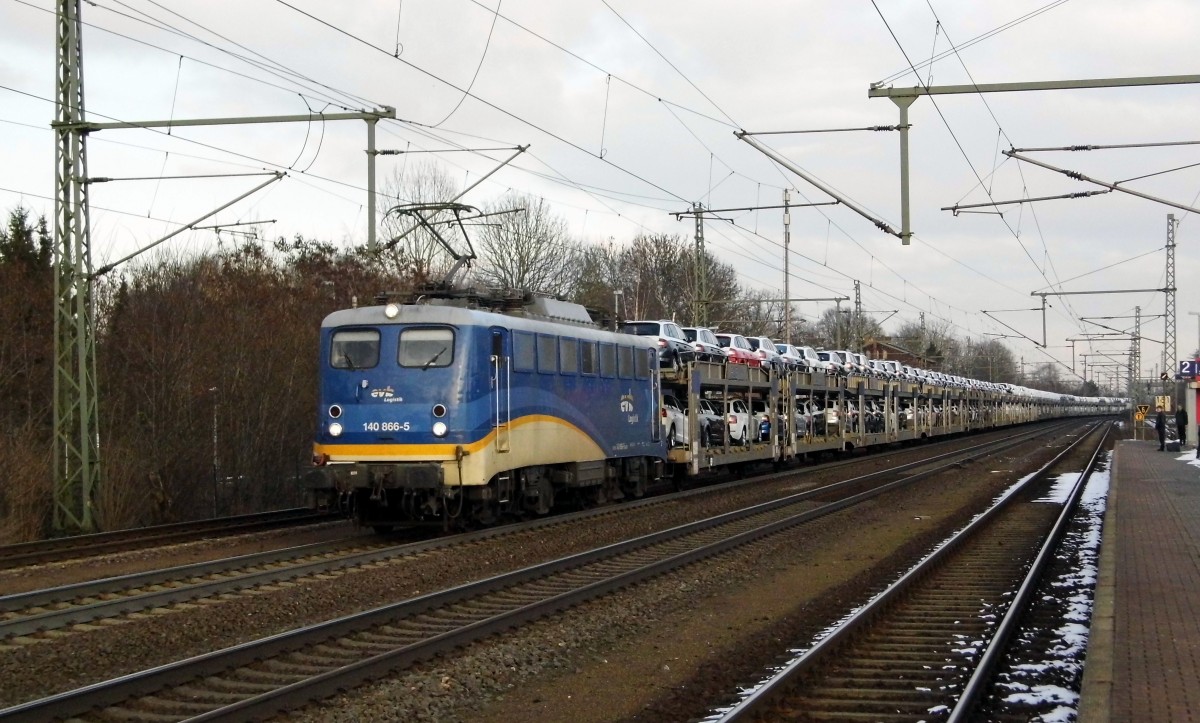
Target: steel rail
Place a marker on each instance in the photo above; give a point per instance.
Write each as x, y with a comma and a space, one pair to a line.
63, 548
775, 688
979, 681
639, 550
126, 594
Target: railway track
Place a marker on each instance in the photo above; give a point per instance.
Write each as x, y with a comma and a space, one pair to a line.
85, 546
925, 648
277, 673
82, 546
27, 618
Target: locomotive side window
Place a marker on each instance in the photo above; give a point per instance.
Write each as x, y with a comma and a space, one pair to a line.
625, 362
524, 351
641, 362
568, 355
547, 350
354, 349
587, 357
425, 348
608, 360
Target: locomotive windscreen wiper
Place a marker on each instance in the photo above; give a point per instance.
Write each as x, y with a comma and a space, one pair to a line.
435, 358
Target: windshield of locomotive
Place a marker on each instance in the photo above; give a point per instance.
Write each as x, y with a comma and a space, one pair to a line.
354, 349
428, 347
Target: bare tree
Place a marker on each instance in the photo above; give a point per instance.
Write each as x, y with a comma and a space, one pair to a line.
752, 313
408, 250
655, 277
660, 273
932, 341
600, 279
528, 249
989, 360
839, 329
722, 292
1047, 378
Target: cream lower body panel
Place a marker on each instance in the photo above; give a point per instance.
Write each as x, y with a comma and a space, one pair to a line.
530, 443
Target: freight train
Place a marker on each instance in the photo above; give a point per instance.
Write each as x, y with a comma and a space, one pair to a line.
464, 408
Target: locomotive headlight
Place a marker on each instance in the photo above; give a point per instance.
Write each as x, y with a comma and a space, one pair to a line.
439, 429
335, 429
391, 311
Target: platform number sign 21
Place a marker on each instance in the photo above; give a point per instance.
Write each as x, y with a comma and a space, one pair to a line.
1189, 367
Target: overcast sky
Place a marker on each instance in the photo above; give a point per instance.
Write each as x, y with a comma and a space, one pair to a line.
630, 108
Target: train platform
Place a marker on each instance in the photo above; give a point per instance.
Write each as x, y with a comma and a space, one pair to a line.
1143, 658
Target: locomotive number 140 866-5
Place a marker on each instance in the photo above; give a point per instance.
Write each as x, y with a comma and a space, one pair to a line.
386, 426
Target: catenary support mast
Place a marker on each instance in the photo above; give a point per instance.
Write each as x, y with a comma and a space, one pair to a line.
76, 453
1168, 350
76, 456
700, 308
858, 312
904, 97
1135, 351
787, 240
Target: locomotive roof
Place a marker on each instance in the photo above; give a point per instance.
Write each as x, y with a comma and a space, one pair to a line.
457, 315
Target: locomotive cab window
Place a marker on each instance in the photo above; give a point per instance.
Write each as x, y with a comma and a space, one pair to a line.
354, 349
425, 348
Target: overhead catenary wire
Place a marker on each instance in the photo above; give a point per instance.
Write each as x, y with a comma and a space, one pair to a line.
667, 60
191, 58
670, 105
594, 66
1020, 171
482, 56
621, 209
689, 109
831, 224
977, 39
484, 101
184, 139
767, 263
174, 96
958, 143
283, 73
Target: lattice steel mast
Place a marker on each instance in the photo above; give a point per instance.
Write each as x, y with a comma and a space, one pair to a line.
76, 465
700, 306
1168, 350
1135, 352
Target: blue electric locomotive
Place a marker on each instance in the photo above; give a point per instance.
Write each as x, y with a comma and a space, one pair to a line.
461, 408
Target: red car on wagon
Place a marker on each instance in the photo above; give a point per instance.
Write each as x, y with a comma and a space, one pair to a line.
738, 349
